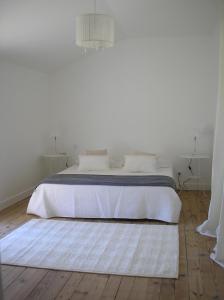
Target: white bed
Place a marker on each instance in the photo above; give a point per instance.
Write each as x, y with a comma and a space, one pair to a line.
96, 201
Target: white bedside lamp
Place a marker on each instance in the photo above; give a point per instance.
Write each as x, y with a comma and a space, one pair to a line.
203, 132
55, 136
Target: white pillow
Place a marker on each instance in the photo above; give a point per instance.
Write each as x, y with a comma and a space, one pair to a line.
140, 163
93, 162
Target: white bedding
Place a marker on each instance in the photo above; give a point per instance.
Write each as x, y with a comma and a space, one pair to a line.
94, 201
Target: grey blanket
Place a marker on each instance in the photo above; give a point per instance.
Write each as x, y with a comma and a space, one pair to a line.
111, 180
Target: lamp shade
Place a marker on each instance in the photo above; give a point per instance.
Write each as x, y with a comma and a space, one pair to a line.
94, 31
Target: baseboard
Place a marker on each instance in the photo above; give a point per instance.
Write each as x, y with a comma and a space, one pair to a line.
16, 198
193, 187
196, 187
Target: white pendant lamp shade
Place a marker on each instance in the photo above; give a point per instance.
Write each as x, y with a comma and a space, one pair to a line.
94, 31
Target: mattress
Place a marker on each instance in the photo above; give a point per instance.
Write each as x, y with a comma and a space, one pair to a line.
91, 201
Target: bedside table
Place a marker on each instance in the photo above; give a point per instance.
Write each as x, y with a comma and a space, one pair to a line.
198, 177
55, 163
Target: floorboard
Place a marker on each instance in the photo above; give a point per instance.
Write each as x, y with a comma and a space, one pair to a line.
199, 277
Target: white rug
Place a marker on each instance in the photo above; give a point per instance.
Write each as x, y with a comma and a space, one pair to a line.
97, 247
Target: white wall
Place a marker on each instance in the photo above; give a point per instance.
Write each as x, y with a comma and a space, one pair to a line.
24, 113
147, 94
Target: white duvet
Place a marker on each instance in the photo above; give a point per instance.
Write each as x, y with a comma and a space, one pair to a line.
94, 201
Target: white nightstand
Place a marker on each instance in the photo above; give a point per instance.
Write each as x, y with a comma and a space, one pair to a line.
55, 163
196, 177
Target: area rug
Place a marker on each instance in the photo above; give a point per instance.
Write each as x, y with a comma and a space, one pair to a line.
96, 247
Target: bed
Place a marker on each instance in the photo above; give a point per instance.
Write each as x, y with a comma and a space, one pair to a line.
107, 201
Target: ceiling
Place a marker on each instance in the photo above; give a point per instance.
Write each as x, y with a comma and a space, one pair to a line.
41, 33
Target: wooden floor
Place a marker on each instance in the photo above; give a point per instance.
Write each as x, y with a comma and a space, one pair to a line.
199, 277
